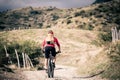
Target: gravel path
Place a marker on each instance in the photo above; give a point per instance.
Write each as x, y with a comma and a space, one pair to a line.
61, 73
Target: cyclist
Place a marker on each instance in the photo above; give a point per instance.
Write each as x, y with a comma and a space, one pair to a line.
49, 45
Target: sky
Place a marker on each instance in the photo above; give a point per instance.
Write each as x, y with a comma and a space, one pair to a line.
13, 4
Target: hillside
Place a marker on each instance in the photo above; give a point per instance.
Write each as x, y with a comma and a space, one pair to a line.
95, 17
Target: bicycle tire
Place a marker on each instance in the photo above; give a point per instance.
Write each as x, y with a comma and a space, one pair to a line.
50, 69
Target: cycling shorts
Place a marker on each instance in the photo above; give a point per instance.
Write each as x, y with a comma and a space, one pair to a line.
48, 50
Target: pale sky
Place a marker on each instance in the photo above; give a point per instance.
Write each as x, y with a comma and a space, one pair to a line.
12, 4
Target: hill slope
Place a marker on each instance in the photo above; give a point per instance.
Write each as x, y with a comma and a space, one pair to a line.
101, 16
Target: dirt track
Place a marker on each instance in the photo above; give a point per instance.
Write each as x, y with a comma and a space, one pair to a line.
61, 73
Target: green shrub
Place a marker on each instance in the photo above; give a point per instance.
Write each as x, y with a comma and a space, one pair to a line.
48, 26
40, 25
35, 12
90, 27
16, 15
86, 26
98, 15
55, 17
117, 20
69, 21
105, 36
79, 13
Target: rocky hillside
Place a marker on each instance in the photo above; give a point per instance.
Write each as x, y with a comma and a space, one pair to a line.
95, 17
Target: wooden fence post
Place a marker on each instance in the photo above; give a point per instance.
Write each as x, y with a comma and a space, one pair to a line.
119, 34
7, 55
17, 58
116, 34
30, 61
112, 34
23, 55
27, 62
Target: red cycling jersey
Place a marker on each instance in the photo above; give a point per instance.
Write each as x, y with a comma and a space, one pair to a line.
44, 44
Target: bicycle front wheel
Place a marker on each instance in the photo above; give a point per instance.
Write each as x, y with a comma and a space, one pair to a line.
50, 69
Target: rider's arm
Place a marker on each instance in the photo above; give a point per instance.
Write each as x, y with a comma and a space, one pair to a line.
43, 44
58, 44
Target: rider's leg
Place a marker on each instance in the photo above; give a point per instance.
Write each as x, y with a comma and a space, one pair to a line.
46, 57
54, 55
46, 63
54, 59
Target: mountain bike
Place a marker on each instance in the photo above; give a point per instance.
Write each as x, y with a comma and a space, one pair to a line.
51, 66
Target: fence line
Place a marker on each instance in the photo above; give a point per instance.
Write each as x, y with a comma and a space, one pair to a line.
115, 34
27, 63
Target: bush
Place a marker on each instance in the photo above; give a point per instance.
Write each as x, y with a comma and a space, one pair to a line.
16, 15
105, 36
40, 25
117, 20
48, 26
28, 47
98, 15
79, 13
55, 17
90, 27
69, 21
34, 12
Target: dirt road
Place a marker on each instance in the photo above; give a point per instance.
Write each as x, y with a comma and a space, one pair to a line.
61, 73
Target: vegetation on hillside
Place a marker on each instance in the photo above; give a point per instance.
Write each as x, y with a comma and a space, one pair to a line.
96, 17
